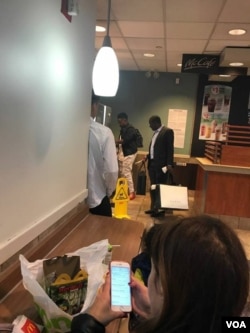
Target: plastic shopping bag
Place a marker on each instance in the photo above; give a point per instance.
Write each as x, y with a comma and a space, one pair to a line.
54, 318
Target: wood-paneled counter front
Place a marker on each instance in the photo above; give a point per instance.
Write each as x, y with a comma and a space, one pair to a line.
222, 189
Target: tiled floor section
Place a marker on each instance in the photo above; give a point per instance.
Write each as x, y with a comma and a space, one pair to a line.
137, 207
141, 203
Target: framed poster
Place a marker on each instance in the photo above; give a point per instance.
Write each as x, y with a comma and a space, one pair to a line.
215, 112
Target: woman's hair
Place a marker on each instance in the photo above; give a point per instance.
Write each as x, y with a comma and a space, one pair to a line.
203, 271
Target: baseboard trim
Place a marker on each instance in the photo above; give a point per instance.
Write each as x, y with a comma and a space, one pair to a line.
17, 242
38, 248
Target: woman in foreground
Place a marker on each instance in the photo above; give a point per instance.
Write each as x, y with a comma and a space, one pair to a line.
199, 275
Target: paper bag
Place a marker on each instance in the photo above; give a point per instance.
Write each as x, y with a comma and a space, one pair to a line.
54, 318
65, 282
170, 196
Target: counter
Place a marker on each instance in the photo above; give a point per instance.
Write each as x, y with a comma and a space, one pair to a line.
208, 165
184, 171
222, 190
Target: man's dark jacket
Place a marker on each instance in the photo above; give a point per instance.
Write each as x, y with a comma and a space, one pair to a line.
163, 148
128, 135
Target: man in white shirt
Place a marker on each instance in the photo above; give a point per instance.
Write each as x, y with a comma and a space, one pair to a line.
102, 164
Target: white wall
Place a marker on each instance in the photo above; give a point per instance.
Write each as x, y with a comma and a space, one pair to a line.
45, 92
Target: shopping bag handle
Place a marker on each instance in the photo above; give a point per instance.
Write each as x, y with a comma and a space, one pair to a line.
142, 165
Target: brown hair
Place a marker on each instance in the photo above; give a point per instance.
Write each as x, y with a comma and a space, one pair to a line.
203, 271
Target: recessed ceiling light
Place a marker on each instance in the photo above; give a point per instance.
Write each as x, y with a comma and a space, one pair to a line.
236, 64
179, 65
149, 55
99, 28
237, 32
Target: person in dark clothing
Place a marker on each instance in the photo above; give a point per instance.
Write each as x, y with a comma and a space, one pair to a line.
127, 149
141, 263
160, 159
199, 275
141, 268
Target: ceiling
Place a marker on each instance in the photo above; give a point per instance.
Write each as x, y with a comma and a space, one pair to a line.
170, 28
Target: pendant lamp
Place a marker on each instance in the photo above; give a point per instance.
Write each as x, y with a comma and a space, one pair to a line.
105, 76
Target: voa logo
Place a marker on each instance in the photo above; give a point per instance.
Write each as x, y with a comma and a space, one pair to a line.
235, 324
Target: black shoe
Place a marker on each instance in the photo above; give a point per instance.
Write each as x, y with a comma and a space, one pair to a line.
158, 214
150, 211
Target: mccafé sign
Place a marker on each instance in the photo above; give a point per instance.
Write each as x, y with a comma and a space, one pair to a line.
208, 64
200, 63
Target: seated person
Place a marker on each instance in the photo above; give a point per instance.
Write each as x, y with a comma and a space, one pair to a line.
141, 263
199, 274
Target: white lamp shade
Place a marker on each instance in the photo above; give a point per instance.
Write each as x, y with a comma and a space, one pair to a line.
105, 76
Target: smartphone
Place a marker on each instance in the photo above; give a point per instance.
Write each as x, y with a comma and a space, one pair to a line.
120, 289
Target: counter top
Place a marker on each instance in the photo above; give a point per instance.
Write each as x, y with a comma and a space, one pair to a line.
207, 165
178, 158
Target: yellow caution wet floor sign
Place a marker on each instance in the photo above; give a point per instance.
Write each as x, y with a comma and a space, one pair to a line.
121, 199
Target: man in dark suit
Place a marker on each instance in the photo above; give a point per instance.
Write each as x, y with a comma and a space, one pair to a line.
160, 159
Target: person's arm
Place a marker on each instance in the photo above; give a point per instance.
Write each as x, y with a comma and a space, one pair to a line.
170, 148
140, 298
129, 135
110, 163
85, 323
119, 141
98, 315
169, 141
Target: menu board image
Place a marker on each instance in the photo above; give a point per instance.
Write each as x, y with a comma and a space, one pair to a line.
215, 112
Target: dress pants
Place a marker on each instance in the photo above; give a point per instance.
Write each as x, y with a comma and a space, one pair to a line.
156, 176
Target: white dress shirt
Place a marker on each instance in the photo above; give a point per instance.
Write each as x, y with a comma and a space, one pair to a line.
102, 163
154, 137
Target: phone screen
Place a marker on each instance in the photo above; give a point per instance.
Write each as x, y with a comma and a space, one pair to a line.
120, 289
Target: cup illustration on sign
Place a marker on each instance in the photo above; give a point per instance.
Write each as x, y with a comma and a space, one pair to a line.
217, 133
211, 104
224, 127
208, 132
213, 125
202, 130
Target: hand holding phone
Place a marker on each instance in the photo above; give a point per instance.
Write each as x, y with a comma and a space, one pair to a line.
120, 288
101, 308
